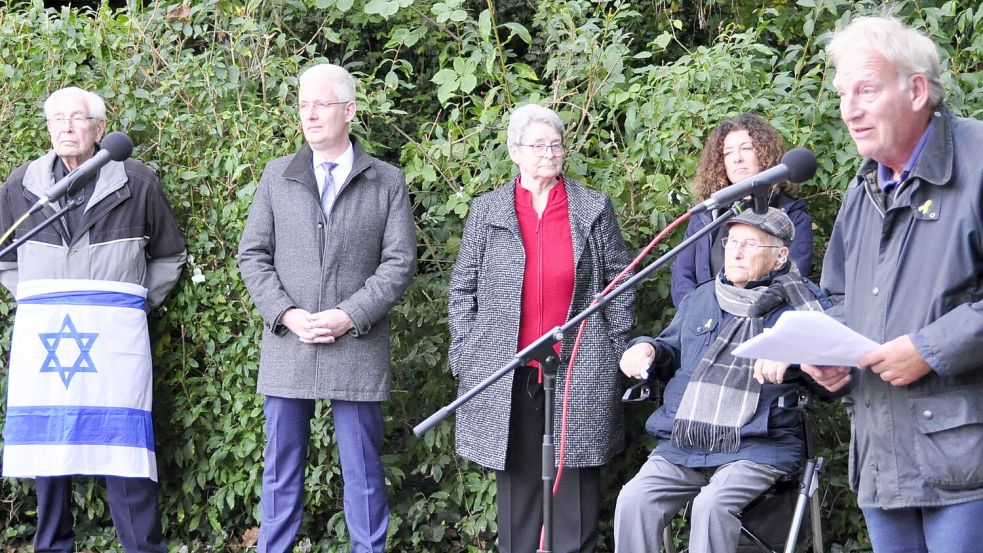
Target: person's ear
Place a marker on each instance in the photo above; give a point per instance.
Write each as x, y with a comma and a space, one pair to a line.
918, 90
514, 153
782, 256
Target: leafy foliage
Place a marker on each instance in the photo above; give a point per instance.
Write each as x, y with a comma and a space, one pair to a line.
207, 91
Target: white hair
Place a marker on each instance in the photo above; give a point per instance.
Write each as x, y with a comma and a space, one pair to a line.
341, 80
94, 105
528, 114
909, 51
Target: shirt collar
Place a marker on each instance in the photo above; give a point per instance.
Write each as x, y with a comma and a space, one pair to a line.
884, 172
344, 161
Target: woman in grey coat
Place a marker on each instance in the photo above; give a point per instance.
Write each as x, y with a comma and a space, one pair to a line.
534, 252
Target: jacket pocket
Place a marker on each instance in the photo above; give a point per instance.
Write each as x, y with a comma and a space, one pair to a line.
949, 438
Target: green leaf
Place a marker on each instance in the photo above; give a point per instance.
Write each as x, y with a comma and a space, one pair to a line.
519, 30
445, 77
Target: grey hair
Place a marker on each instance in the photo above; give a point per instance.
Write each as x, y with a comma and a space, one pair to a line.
528, 114
908, 50
94, 105
341, 80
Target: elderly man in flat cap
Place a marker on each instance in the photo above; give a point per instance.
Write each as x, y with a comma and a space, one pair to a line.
723, 438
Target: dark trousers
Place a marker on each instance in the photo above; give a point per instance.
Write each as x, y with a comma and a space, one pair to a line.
359, 433
132, 501
520, 486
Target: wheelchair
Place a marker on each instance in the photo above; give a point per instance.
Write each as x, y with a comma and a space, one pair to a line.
773, 521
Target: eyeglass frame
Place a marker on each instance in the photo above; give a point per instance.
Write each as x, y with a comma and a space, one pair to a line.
557, 149
72, 121
319, 106
744, 244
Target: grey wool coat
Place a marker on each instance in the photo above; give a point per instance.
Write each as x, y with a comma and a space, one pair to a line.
484, 306
360, 261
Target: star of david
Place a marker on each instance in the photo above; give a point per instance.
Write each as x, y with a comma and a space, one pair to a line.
83, 362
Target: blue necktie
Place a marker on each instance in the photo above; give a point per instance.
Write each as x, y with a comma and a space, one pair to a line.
328, 190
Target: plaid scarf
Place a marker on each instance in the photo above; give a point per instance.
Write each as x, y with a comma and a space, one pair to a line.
722, 394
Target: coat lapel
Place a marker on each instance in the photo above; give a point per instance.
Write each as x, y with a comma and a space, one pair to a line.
501, 210
301, 170
584, 210
361, 163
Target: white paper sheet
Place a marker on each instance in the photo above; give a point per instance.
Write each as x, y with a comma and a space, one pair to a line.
807, 337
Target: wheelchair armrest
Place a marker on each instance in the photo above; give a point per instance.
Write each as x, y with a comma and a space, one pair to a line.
645, 390
791, 399
637, 393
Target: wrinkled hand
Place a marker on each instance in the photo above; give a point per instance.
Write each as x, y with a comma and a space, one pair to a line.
772, 371
897, 362
301, 322
636, 360
831, 377
335, 321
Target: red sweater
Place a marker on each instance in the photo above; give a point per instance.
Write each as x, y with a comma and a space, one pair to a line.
547, 283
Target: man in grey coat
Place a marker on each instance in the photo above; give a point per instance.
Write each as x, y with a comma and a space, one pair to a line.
328, 249
904, 267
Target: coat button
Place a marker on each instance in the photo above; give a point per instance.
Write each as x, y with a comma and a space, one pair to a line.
866, 403
927, 414
875, 291
873, 466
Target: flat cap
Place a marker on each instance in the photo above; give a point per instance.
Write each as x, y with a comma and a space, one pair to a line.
775, 222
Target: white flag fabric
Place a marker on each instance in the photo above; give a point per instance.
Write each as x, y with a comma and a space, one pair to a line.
80, 381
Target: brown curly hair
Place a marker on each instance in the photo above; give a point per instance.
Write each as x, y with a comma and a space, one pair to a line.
711, 175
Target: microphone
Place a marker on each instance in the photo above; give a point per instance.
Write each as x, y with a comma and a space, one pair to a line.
116, 146
798, 165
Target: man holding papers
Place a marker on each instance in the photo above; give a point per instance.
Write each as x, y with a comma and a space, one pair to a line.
904, 268
724, 438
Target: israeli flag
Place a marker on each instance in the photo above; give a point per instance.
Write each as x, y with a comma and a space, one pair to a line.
79, 385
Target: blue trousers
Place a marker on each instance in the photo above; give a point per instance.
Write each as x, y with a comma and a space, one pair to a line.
949, 529
359, 433
132, 501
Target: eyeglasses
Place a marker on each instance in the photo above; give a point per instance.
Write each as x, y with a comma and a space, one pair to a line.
73, 121
320, 106
541, 149
750, 246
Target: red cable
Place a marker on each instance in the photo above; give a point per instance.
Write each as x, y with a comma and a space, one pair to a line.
580, 333
576, 346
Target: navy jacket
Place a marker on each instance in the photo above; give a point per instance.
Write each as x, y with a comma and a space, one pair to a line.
772, 437
692, 266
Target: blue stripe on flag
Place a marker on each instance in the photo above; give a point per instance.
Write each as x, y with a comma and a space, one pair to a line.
52, 425
105, 299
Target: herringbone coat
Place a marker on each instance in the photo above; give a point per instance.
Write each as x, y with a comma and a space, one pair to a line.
483, 314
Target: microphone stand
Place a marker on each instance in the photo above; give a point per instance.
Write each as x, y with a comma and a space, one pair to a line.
542, 350
69, 205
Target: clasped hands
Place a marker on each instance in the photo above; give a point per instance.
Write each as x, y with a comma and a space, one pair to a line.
637, 360
322, 327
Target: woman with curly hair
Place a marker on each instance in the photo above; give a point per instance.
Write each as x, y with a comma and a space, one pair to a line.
738, 148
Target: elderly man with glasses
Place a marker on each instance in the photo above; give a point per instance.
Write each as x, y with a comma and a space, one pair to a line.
723, 438
86, 282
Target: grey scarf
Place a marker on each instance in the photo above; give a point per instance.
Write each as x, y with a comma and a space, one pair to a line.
722, 394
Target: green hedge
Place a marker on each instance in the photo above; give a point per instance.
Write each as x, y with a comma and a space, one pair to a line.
207, 93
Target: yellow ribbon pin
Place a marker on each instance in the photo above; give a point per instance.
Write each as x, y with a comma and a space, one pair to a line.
925, 207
